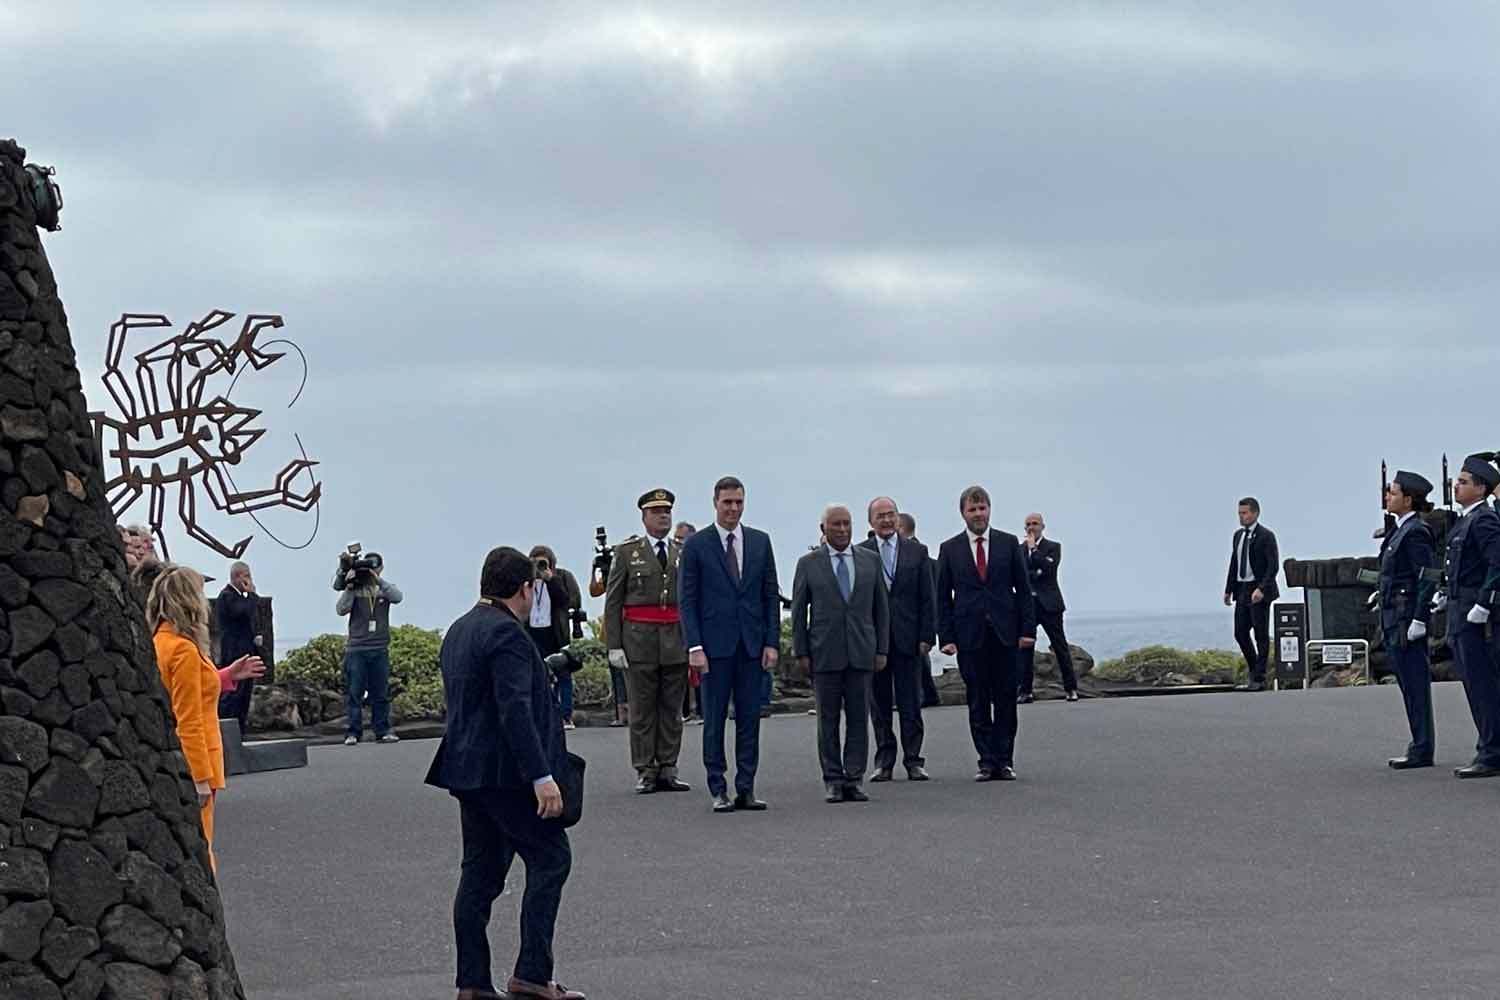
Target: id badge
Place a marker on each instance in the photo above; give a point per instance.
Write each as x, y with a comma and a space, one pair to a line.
372, 626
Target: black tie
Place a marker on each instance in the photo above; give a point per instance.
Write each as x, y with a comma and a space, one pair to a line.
661, 553
1245, 555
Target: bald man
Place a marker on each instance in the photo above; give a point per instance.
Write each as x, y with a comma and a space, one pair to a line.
1043, 557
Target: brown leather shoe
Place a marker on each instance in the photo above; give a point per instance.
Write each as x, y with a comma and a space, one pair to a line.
550, 991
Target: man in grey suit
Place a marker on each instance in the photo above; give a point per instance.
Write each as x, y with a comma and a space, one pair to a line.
840, 633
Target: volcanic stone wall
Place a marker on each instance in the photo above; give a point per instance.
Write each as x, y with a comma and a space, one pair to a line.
105, 884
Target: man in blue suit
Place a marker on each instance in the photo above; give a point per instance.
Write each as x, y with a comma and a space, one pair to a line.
985, 615
727, 593
502, 745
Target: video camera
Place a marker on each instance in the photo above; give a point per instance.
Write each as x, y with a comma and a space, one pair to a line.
364, 566
563, 663
599, 571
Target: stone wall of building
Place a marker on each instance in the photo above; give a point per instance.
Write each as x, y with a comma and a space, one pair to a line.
105, 884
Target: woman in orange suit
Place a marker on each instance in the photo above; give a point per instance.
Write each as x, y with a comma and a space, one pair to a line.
178, 614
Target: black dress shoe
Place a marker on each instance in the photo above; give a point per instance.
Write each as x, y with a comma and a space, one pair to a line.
1252, 686
673, 784
833, 793
1006, 773
853, 793
883, 774
722, 803
748, 802
1406, 763
1024, 699
1477, 771
645, 785
984, 774
917, 773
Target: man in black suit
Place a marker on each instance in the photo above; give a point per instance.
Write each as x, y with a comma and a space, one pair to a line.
1251, 587
906, 527
1043, 557
840, 627
985, 613
503, 743
235, 610
907, 575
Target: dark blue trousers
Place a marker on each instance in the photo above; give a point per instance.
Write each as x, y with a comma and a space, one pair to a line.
1412, 673
736, 677
497, 826
367, 670
1476, 665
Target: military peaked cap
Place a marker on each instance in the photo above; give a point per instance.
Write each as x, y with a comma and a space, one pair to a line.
656, 498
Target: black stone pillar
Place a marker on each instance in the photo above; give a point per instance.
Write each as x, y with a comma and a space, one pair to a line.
105, 884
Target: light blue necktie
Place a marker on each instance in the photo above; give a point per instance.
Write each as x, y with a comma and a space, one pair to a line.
843, 576
888, 558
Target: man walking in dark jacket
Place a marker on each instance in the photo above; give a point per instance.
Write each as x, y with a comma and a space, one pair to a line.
1251, 587
1043, 559
985, 614
502, 746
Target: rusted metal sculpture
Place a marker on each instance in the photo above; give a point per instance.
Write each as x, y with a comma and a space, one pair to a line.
173, 433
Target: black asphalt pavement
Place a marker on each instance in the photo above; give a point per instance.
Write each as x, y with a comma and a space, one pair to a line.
1204, 846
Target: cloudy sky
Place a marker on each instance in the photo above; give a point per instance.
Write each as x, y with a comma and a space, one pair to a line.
1121, 263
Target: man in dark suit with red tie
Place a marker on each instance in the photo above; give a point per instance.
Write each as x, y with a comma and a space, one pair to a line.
986, 614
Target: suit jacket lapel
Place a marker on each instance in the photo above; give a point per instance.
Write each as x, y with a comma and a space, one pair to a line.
745, 556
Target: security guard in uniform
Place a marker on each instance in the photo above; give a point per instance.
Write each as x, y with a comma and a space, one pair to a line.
1472, 573
1404, 613
644, 632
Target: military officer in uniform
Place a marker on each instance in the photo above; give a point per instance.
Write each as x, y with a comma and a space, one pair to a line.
1404, 554
1472, 572
644, 632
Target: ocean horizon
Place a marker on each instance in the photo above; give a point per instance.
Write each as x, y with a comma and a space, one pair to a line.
1104, 634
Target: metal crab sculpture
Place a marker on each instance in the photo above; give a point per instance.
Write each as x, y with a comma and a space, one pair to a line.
174, 434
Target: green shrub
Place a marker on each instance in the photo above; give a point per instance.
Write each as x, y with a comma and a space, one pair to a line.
1151, 664
416, 681
319, 664
591, 686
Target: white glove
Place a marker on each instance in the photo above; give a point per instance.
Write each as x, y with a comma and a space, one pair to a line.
1478, 615
1440, 601
1373, 600
1416, 631
617, 659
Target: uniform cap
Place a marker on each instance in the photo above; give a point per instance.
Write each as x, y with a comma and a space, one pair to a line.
1482, 471
656, 498
1413, 485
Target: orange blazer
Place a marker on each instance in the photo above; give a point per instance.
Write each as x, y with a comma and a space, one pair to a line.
193, 685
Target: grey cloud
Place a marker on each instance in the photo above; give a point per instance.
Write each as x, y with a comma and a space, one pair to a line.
1108, 259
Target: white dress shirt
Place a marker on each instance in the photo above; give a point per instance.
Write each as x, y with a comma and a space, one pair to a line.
739, 543
888, 571
833, 558
1470, 509
1246, 574
989, 556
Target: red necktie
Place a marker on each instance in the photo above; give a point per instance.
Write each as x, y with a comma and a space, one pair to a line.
979, 561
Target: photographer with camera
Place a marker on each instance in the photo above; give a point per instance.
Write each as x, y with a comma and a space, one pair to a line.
366, 599
552, 609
